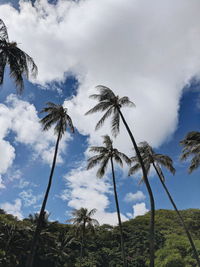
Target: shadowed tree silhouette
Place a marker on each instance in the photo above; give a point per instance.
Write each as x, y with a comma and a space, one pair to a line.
104, 155
83, 221
19, 62
191, 148
56, 115
150, 158
111, 105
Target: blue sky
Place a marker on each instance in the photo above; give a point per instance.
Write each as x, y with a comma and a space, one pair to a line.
75, 49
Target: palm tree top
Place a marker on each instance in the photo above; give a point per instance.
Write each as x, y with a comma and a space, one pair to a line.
104, 154
150, 157
83, 216
20, 63
191, 147
57, 115
111, 104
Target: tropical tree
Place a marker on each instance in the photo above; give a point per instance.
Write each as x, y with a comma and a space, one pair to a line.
83, 221
61, 251
19, 62
112, 104
57, 115
150, 158
104, 155
191, 148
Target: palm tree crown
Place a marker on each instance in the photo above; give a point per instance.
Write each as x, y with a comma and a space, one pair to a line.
191, 147
19, 62
104, 154
82, 218
110, 103
57, 114
149, 158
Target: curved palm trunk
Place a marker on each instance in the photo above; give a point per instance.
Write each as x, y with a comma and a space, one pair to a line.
38, 229
152, 203
118, 214
180, 217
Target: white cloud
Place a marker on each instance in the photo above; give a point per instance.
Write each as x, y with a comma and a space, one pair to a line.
22, 184
2, 186
29, 198
85, 190
14, 209
21, 118
138, 196
126, 45
139, 209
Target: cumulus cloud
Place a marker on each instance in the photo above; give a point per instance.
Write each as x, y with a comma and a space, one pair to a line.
131, 197
139, 209
14, 209
85, 190
126, 45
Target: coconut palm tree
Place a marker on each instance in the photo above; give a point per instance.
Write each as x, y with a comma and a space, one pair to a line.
57, 115
112, 104
150, 158
104, 155
83, 221
191, 147
19, 62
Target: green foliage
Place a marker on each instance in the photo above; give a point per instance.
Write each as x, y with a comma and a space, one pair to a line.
59, 247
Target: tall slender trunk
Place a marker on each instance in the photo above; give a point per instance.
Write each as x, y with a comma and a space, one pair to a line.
38, 229
180, 217
152, 203
118, 214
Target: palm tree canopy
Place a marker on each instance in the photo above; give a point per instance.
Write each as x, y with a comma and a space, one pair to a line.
19, 62
191, 148
82, 218
57, 115
104, 154
149, 157
110, 103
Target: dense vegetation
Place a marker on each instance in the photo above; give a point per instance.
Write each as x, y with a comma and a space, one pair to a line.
59, 245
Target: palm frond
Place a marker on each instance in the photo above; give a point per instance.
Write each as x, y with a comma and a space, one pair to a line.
160, 172
115, 123
102, 106
98, 149
3, 60
124, 101
103, 167
118, 159
92, 212
134, 169
195, 163
3, 31
102, 120
107, 141
105, 92
124, 157
165, 161
93, 161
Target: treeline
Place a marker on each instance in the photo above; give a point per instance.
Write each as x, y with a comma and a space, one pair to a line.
60, 246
